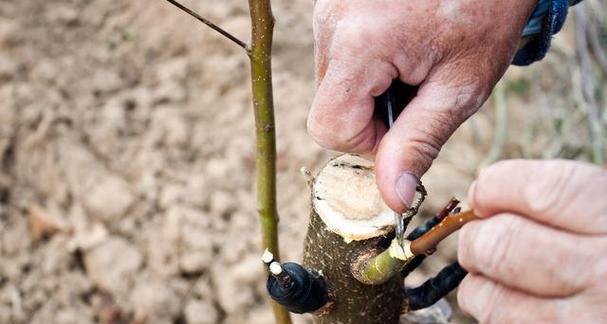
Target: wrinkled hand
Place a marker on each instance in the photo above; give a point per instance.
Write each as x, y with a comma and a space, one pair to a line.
454, 50
540, 256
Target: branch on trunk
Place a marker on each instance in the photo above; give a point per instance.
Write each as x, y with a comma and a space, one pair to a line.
210, 25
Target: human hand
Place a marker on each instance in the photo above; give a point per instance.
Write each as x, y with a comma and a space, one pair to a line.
539, 256
454, 50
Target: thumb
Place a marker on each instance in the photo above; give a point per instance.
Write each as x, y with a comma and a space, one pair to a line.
408, 149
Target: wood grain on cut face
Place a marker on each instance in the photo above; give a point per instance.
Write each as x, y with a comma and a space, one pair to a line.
346, 197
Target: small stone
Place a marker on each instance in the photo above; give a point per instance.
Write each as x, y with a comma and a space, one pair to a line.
87, 237
221, 202
63, 14
8, 67
173, 70
248, 271
109, 198
173, 126
169, 92
195, 262
186, 228
106, 81
200, 312
170, 194
112, 264
154, 302
232, 294
105, 308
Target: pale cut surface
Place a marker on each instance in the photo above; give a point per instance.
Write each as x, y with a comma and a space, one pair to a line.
347, 199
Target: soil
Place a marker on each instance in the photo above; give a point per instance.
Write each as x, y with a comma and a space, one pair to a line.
127, 160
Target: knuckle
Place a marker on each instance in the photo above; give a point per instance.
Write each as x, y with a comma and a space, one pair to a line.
467, 100
465, 292
579, 268
427, 138
492, 248
317, 129
351, 29
547, 191
496, 168
491, 313
331, 135
423, 151
600, 266
346, 44
465, 245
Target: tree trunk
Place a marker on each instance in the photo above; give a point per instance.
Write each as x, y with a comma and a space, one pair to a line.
349, 222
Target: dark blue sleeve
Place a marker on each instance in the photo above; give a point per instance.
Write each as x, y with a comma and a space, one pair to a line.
552, 21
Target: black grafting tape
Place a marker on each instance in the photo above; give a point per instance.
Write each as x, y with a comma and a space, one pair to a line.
307, 293
436, 288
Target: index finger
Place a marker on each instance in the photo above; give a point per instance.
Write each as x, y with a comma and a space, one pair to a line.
564, 194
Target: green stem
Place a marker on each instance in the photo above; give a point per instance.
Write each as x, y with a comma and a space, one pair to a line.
260, 54
380, 268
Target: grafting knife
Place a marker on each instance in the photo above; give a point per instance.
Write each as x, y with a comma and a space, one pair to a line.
387, 108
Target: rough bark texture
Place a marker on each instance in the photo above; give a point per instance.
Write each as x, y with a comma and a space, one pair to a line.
352, 301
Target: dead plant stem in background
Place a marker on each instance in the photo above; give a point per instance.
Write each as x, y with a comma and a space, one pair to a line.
587, 83
260, 54
500, 133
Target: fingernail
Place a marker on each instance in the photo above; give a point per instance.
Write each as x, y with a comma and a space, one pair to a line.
405, 188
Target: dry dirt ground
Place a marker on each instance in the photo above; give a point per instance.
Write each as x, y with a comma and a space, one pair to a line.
126, 158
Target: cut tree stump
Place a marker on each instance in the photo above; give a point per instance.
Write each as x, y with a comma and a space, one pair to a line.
350, 221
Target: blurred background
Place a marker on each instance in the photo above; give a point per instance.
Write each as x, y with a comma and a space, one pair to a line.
127, 154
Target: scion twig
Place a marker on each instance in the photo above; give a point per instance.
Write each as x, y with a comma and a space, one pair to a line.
446, 227
210, 24
423, 229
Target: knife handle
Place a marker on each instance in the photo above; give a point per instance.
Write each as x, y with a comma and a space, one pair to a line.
398, 95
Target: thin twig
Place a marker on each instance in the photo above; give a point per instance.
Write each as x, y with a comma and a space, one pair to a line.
450, 224
429, 224
210, 24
